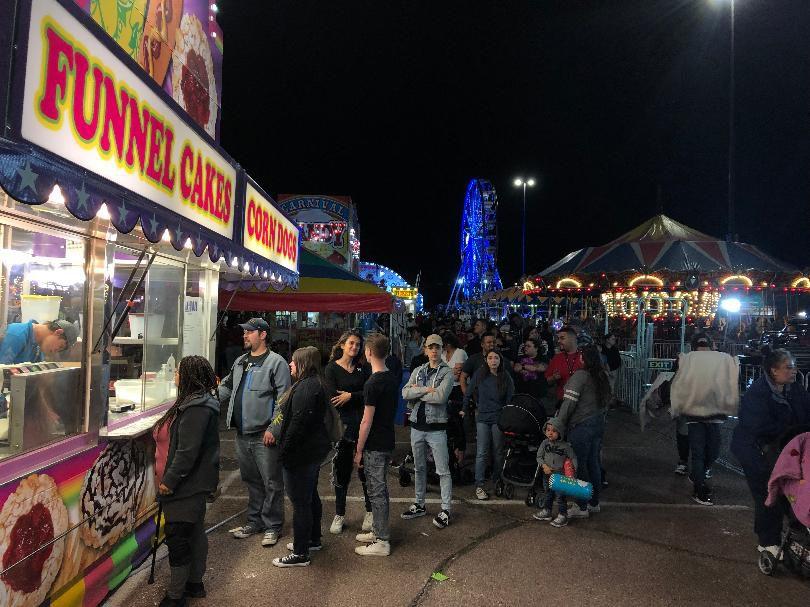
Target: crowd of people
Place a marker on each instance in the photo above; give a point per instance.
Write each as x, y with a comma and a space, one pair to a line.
285, 420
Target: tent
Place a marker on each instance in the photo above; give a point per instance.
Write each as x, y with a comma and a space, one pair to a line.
323, 287
661, 243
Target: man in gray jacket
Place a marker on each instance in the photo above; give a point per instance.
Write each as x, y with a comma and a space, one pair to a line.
251, 389
429, 389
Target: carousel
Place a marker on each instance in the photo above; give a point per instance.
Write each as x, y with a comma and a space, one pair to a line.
671, 273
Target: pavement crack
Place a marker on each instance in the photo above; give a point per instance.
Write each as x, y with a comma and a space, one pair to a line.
474, 543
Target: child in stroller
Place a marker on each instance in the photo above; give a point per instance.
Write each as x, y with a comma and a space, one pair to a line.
789, 488
521, 422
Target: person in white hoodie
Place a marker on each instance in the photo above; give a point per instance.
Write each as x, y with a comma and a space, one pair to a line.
704, 393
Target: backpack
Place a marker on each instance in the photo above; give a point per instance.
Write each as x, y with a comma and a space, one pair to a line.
335, 427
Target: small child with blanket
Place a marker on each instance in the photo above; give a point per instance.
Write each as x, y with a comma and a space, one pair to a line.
551, 456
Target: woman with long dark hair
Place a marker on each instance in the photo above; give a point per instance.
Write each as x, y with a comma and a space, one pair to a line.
300, 433
491, 387
345, 376
582, 422
191, 475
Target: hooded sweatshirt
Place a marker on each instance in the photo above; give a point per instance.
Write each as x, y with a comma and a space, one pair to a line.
705, 386
192, 465
554, 453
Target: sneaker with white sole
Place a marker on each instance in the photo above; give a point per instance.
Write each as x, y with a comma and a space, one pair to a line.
312, 547
244, 531
560, 521
543, 515
681, 469
377, 548
703, 496
366, 537
414, 511
292, 560
594, 509
574, 511
270, 538
368, 521
481, 494
442, 519
337, 524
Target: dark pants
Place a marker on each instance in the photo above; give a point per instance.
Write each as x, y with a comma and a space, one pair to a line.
704, 447
342, 466
562, 501
187, 543
767, 520
301, 484
682, 441
586, 439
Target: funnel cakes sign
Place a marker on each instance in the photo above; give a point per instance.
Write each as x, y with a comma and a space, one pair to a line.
268, 232
84, 104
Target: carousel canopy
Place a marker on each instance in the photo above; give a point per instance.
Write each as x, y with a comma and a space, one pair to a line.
661, 243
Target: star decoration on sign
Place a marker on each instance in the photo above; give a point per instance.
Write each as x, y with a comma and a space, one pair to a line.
123, 212
153, 223
28, 178
199, 241
82, 197
179, 233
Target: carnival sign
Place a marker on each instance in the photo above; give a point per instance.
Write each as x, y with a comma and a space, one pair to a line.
267, 232
84, 104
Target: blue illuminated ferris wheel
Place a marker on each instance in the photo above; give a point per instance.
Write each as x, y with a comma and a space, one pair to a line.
479, 244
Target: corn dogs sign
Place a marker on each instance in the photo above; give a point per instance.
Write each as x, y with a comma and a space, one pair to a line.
84, 104
269, 233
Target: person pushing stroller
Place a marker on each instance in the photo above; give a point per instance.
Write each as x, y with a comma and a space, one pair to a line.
551, 457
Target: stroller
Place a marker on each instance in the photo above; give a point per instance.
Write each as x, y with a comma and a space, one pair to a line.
522, 423
794, 551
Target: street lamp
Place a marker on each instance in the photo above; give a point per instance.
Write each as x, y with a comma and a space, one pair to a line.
520, 182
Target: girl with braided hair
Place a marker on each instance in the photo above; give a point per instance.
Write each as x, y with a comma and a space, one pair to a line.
191, 474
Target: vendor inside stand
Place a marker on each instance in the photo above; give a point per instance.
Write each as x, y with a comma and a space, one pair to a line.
32, 341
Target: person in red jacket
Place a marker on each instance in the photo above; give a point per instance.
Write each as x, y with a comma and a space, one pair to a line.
564, 362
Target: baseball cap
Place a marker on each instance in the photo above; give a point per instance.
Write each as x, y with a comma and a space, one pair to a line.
256, 324
434, 339
70, 331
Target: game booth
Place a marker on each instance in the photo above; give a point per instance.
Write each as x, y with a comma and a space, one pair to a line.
119, 217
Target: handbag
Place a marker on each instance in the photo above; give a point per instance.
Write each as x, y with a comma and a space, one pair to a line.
334, 425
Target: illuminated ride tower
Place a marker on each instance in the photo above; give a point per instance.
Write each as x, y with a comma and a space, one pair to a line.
479, 245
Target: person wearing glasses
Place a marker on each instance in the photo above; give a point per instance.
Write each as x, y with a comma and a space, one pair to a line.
32, 342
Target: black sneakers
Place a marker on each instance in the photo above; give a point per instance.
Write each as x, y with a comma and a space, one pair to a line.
414, 511
703, 496
195, 590
292, 560
442, 519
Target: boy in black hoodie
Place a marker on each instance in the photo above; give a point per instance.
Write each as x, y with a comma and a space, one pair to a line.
551, 456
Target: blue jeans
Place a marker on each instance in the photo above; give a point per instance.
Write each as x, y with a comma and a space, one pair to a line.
704, 448
562, 500
302, 489
260, 469
375, 464
489, 441
586, 439
437, 441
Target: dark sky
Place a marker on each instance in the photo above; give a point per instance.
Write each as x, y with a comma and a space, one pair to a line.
399, 104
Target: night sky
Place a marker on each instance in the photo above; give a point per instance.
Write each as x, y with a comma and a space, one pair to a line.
399, 104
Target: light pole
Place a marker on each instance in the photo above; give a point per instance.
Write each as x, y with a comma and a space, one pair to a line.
518, 183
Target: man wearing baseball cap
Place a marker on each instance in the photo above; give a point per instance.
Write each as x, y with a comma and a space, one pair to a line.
428, 390
251, 389
31, 342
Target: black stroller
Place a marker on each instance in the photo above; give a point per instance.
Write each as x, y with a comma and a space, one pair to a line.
522, 423
794, 551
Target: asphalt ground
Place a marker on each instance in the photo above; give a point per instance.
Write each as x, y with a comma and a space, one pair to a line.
650, 545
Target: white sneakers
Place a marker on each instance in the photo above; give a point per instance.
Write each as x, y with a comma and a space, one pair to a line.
774, 550
481, 494
368, 521
365, 537
574, 511
270, 538
337, 525
376, 548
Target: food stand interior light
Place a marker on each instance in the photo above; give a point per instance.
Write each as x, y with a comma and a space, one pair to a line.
235, 262
187, 244
731, 304
103, 213
13, 257
166, 236
56, 196
802, 314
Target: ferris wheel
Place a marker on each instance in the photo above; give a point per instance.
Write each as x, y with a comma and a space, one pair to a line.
479, 244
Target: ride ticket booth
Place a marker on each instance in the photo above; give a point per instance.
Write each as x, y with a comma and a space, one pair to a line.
118, 218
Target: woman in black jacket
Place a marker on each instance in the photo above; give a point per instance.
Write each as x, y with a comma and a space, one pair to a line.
192, 474
345, 376
303, 445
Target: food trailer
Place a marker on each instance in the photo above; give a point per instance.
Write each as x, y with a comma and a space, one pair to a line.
118, 217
